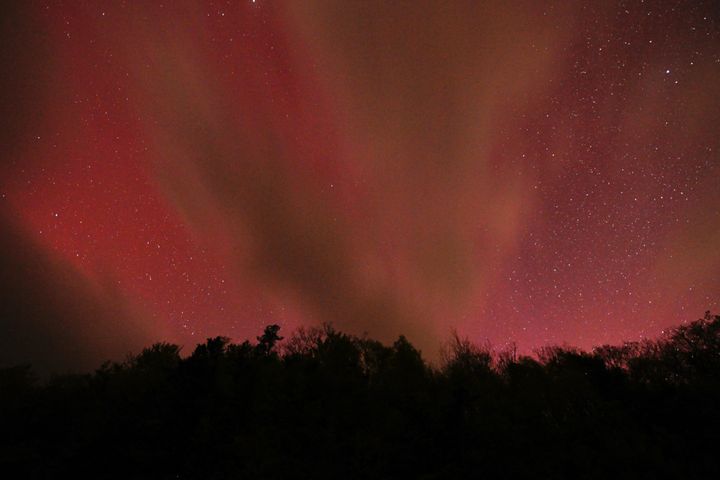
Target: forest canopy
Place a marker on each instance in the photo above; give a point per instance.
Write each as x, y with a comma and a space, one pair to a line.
325, 404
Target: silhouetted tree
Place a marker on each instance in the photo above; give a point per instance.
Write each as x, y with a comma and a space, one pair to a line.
329, 404
267, 341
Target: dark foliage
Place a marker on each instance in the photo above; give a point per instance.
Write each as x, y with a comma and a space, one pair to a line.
325, 404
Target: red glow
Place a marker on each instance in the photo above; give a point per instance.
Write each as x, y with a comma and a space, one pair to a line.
541, 174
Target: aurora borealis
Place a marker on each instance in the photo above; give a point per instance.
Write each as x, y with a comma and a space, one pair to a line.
539, 172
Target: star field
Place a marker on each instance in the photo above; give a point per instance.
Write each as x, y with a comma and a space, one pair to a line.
537, 172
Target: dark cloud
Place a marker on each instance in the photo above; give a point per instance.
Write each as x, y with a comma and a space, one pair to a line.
53, 316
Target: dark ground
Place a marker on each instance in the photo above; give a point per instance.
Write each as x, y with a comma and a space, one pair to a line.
324, 404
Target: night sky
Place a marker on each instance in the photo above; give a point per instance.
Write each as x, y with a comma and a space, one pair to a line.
538, 172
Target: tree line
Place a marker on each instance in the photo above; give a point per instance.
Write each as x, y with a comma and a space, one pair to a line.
326, 404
